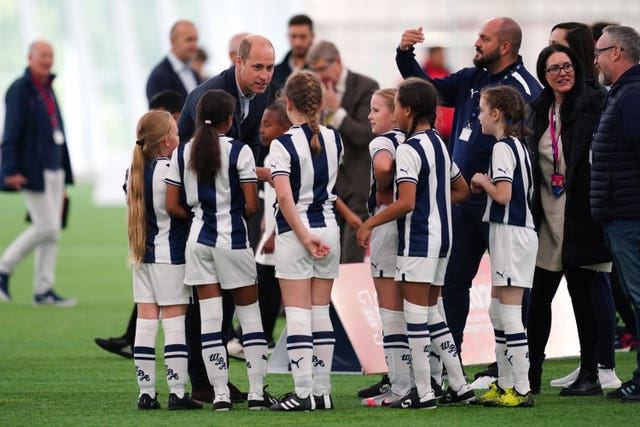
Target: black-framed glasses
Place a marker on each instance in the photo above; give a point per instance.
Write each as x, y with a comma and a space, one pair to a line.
555, 69
598, 51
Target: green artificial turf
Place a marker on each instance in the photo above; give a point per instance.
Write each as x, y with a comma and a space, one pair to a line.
54, 374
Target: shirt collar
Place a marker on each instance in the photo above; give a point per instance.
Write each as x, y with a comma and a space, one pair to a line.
241, 95
176, 63
341, 85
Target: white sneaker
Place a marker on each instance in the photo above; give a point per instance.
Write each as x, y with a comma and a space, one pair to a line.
235, 350
608, 378
566, 381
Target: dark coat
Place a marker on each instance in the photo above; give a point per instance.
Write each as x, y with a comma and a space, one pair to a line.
583, 240
163, 77
28, 133
615, 177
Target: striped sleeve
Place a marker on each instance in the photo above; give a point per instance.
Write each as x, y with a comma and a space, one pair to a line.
455, 171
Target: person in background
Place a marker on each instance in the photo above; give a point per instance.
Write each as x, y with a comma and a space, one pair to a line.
175, 71
347, 96
199, 62
234, 45
300, 40
435, 67
35, 161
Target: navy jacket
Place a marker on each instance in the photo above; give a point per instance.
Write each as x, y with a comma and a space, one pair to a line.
247, 131
27, 134
583, 239
163, 77
282, 70
462, 91
615, 170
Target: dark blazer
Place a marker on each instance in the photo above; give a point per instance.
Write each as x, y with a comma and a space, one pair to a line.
248, 130
163, 77
28, 134
353, 177
583, 239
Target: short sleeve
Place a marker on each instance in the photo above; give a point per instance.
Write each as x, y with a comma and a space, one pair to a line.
173, 176
503, 162
455, 171
247, 165
408, 164
381, 144
280, 159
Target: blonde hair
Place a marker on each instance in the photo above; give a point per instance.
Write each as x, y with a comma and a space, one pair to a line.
304, 90
151, 131
388, 95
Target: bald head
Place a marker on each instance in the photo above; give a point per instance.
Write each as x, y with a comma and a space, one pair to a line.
234, 45
254, 64
184, 40
40, 59
254, 42
510, 31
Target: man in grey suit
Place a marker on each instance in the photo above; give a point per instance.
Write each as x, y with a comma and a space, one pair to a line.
346, 107
174, 71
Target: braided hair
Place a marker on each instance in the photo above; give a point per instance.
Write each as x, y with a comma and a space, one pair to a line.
511, 105
304, 90
422, 98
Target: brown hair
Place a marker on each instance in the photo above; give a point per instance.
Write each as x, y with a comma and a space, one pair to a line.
153, 127
304, 90
510, 103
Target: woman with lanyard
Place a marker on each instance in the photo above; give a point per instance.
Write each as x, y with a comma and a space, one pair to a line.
570, 242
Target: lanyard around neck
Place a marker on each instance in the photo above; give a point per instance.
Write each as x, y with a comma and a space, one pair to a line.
554, 137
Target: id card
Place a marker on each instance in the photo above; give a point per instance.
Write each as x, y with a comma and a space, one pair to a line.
58, 137
465, 134
557, 184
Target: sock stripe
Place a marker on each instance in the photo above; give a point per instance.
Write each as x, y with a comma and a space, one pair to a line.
176, 356
516, 337
144, 350
252, 336
175, 347
213, 336
291, 339
403, 347
413, 327
324, 335
395, 338
437, 327
301, 346
144, 357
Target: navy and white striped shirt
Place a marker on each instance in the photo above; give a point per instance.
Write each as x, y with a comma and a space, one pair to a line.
424, 160
510, 162
312, 176
218, 210
387, 142
166, 236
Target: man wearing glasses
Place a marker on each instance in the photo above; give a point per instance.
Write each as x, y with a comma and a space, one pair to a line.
615, 171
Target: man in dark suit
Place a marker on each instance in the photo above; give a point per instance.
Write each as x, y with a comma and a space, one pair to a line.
249, 82
174, 71
346, 107
300, 39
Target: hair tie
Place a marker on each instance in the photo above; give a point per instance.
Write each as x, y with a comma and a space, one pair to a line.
207, 122
510, 122
140, 143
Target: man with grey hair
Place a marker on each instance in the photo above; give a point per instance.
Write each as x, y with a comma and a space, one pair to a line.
234, 45
615, 170
35, 161
347, 96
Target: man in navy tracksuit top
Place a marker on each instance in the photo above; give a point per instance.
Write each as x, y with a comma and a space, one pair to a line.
496, 62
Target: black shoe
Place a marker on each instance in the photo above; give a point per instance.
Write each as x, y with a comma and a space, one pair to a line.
535, 374
258, 403
202, 394
237, 396
587, 384
146, 403
626, 389
453, 398
490, 371
119, 346
437, 388
632, 396
412, 400
323, 401
185, 403
4, 288
291, 402
378, 388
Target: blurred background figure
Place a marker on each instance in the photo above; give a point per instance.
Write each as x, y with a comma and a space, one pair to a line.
234, 44
435, 66
300, 36
199, 62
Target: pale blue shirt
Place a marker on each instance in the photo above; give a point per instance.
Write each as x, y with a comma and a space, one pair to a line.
184, 72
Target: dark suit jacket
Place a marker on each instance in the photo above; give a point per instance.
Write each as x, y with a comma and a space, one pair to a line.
353, 177
163, 77
248, 130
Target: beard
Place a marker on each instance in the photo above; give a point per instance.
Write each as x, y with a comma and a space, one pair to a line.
604, 80
486, 59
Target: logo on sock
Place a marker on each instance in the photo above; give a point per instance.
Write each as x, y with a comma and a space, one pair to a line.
218, 360
449, 347
142, 376
171, 374
296, 362
317, 362
406, 358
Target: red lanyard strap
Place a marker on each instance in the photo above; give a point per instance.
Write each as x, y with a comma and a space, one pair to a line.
47, 97
554, 138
